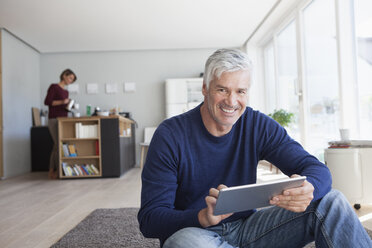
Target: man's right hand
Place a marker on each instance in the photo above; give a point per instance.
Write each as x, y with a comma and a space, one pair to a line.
205, 216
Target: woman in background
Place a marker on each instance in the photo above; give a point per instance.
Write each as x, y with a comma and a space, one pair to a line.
57, 100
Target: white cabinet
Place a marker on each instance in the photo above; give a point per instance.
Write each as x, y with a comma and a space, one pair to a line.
351, 170
175, 91
182, 94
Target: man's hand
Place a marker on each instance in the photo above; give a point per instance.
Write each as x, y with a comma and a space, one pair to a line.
205, 216
296, 199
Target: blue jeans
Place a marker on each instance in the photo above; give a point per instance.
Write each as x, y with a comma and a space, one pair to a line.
331, 222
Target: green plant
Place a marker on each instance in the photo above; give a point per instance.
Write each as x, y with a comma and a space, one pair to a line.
283, 117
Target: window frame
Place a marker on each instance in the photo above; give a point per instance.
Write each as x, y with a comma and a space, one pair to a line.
346, 64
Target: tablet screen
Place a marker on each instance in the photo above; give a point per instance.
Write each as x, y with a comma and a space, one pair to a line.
251, 196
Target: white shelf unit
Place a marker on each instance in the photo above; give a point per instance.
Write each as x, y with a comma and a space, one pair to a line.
351, 170
182, 94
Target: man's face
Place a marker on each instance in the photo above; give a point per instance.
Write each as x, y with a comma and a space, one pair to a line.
226, 99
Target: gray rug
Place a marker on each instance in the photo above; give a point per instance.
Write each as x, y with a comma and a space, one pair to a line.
112, 228
107, 228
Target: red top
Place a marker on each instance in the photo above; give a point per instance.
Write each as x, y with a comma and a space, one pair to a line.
55, 92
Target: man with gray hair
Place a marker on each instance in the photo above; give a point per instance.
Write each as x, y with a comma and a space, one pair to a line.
218, 144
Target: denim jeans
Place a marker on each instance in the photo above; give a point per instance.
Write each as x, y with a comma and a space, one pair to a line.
331, 222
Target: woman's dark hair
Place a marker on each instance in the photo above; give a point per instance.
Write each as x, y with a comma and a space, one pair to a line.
67, 72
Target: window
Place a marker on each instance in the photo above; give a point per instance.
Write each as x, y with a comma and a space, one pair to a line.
269, 60
287, 75
363, 33
321, 75
314, 54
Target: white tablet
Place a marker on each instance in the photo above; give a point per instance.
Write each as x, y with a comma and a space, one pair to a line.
251, 196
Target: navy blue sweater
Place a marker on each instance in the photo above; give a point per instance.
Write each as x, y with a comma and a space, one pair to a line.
184, 161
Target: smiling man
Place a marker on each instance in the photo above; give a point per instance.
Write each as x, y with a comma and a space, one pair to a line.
218, 144
225, 100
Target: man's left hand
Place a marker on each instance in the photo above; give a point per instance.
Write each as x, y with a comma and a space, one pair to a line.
296, 199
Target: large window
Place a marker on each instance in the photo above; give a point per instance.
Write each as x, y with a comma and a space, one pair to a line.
318, 72
269, 59
321, 75
287, 85
363, 33
308, 72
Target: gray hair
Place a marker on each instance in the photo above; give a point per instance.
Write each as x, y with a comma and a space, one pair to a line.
225, 60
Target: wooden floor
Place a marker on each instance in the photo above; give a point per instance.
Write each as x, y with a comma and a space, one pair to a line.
36, 212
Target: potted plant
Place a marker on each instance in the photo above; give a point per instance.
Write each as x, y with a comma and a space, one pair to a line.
283, 117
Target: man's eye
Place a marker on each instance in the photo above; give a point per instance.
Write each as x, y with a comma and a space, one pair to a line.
242, 92
221, 90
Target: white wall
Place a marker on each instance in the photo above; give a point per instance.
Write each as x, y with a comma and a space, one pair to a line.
148, 69
21, 91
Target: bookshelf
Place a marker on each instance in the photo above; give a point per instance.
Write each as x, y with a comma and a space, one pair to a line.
79, 152
109, 146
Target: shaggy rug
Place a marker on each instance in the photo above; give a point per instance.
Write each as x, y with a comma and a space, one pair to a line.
107, 228
112, 228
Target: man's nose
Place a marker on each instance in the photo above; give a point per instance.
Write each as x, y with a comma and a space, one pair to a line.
232, 99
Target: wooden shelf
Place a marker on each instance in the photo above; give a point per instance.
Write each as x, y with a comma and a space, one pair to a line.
86, 148
113, 148
125, 136
77, 139
86, 176
80, 157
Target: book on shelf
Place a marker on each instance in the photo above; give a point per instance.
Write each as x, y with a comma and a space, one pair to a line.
85, 170
86, 131
350, 144
76, 171
79, 170
90, 171
72, 150
97, 148
77, 129
65, 150
68, 171
64, 168
96, 172
71, 172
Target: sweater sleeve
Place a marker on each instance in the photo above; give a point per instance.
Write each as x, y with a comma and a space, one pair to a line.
50, 96
289, 156
157, 216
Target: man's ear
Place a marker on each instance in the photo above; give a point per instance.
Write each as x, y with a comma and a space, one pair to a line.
204, 89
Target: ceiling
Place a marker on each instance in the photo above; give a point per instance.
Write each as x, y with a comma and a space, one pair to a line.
116, 25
